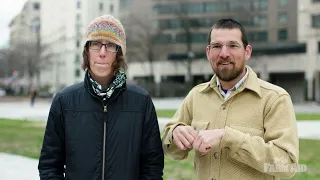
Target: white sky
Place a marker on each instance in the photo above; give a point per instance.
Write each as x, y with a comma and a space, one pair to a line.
8, 10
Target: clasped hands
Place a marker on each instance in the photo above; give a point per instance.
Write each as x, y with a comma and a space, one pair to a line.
185, 137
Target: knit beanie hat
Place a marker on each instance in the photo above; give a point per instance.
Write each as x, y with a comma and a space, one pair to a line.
107, 28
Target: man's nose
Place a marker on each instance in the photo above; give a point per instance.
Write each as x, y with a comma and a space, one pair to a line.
224, 53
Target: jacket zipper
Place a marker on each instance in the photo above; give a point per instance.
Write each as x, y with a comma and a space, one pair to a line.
105, 109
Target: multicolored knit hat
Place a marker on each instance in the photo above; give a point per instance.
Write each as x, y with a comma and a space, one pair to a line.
107, 28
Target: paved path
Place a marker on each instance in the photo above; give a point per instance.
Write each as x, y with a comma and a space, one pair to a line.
22, 109
13, 167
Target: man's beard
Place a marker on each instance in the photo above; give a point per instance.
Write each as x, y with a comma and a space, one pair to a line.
228, 74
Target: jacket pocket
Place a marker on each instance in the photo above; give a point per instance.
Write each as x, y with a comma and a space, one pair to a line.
252, 131
200, 125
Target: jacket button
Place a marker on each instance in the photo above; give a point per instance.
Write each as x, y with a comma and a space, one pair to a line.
213, 178
215, 155
223, 107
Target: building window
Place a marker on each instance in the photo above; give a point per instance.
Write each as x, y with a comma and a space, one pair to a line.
78, 4
123, 2
283, 18
319, 47
198, 37
316, 21
260, 4
77, 73
315, 1
255, 21
36, 6
77, 60
111, 8
258, 36
195, 8
237, 5
78, 17
36, 25
283, 3
163, 24
162, 39
181, 38
101, 6
77, 43
175, 24
260, 20
283, 34
216, 7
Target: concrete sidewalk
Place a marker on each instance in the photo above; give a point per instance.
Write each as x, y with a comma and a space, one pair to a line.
14, 167
23, 110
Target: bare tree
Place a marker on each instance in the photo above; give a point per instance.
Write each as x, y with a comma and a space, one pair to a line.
5, 63
189, 25
183, 31
142, 36
26, 57
141, 41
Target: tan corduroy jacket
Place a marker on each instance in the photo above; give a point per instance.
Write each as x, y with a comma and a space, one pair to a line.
260, 140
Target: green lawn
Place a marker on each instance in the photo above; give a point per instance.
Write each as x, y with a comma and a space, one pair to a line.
170, 113
21, 137
25, 138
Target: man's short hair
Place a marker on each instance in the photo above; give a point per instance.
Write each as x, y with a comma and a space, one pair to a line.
229, 24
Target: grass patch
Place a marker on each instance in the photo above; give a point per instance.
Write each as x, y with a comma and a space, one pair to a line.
166, 113
305, 116
308, 116
25, 138
21, 137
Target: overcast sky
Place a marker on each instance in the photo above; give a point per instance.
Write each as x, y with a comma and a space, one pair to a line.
8, 10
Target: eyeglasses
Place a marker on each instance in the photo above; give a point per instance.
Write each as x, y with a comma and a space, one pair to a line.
96, 46
232, 46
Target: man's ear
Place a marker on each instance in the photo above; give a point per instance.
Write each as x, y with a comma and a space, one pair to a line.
248, 52
208, 52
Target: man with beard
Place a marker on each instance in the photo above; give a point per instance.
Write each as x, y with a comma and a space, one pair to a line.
239, 125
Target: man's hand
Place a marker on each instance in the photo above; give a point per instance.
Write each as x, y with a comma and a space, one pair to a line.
207, 140
184, 136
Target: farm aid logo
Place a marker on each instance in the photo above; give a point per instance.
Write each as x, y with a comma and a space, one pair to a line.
283, 165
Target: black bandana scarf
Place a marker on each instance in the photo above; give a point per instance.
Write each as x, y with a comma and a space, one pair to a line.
118, 81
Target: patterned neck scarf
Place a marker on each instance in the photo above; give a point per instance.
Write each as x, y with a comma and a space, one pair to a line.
118, 81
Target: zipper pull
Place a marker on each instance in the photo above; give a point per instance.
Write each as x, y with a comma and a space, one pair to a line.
105, 108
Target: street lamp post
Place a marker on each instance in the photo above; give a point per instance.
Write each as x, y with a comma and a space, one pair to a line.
189, 78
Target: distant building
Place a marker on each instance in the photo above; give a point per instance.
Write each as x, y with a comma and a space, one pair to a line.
285, 35
25, 33
25, 25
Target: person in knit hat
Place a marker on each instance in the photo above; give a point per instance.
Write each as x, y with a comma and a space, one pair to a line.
102, 128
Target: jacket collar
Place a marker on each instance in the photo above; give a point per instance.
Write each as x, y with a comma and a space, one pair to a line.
88, 86
251, 83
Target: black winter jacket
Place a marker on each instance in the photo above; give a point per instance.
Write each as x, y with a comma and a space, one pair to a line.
89, 140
